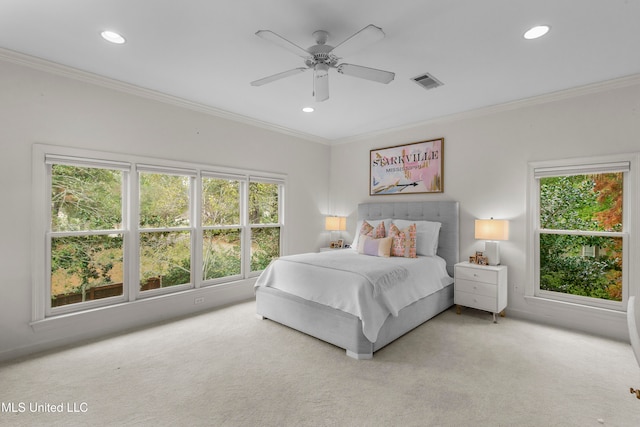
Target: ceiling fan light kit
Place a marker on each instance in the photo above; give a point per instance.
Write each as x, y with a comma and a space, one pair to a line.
321, 57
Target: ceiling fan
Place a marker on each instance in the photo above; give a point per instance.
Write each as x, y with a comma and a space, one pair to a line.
321, 57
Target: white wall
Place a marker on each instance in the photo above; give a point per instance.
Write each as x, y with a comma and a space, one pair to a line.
43, 107
486, 155
485, 169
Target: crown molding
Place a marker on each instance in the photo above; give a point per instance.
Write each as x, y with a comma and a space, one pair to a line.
87, 77
575, 92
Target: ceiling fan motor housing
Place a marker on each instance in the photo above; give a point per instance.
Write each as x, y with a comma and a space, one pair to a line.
321, 54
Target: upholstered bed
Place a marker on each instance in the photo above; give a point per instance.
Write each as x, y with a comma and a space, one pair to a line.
346, 330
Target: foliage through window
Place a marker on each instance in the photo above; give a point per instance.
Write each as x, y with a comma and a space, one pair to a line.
165, 234
86, 234
103, 247
222, 236
264, 202
581, 233
587, 264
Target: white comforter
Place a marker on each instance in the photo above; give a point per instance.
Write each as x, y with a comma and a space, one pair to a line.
340, 279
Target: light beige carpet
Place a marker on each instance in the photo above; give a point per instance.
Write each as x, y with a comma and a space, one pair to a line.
227, 368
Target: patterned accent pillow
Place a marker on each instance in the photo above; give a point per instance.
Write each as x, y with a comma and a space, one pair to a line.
373, 223
374, 247
366, 228
404, 241
377, 232
427, 235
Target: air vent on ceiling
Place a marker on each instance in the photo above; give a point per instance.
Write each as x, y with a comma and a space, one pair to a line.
427, 81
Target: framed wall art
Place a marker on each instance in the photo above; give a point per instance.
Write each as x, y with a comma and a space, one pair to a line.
407, 169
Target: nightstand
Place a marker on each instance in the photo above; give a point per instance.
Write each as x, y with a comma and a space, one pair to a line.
481, 286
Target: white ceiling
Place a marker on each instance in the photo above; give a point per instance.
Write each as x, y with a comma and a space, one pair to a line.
205, 51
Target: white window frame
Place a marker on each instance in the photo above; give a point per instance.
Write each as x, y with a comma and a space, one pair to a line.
192, 174
250, 227
242, 180
42, 157
125, 168
630, 233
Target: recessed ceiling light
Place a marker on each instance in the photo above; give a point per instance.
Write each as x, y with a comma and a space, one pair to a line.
112, 37
308, 109
535, 32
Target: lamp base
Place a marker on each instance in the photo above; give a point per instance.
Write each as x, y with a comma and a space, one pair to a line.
492, 252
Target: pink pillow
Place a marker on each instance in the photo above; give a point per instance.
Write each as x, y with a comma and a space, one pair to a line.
404, 241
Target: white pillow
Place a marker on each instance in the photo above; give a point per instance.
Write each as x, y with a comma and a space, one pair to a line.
374, 224
427, 234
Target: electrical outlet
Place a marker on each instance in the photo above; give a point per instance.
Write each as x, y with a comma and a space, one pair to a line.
198, 300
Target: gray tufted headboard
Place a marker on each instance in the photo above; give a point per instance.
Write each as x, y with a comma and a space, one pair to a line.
443, 211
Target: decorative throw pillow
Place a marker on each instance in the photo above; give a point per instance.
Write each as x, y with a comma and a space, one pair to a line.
404, 241
376, 232
374, 247
373, 223
366, 228
427, 235
379, 232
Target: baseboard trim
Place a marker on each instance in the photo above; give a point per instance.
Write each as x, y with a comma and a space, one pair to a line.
55, 333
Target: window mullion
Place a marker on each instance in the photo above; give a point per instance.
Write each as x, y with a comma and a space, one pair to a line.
196, 231
245, 229
133, 257
126, 231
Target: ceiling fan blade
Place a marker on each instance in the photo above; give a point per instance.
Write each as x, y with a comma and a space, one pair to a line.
282, 42
362, 38
278, 76
321, 82
373, 74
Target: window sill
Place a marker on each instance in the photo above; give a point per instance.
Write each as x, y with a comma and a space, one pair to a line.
547, 303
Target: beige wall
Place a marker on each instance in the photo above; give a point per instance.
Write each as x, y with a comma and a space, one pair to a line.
486, 154
44, 107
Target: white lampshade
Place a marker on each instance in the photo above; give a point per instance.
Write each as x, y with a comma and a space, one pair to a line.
335, 223
492, 229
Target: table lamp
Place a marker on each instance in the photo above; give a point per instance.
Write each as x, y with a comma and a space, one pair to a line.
492, 230
335, 223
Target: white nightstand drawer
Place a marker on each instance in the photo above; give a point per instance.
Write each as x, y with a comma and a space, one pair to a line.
481, 302
477, 274
477, 288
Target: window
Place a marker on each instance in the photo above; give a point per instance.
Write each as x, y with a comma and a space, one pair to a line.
264, 220
581, 223
86, 238
165, 236
222, 229
115, 229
